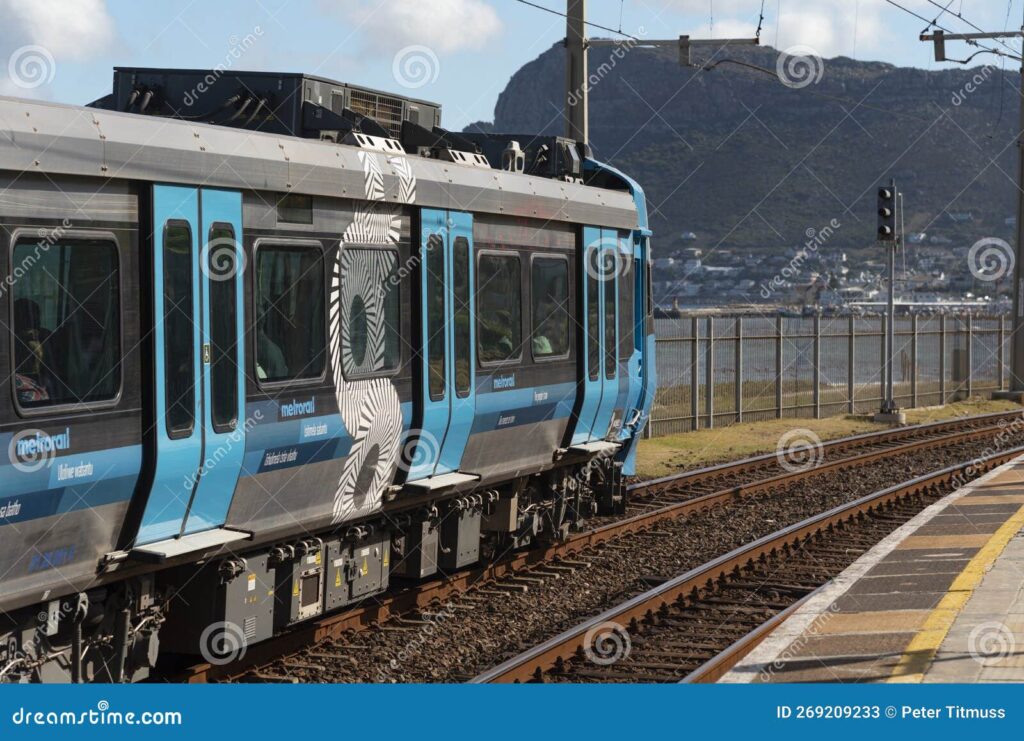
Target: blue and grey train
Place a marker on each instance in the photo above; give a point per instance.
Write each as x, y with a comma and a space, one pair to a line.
274, 344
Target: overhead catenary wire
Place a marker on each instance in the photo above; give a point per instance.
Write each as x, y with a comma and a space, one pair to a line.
589, 23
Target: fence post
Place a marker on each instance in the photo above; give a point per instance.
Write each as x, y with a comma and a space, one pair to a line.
709, 369
970, 355
913, 361
739, 369
778, 367
695, 372
1001, 351
942, 360
817, 366
851, 366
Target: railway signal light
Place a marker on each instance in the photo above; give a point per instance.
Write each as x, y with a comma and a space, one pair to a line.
887, 214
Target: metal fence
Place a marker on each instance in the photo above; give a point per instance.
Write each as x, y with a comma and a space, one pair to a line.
715, 371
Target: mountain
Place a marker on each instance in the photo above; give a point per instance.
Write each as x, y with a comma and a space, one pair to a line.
745, 161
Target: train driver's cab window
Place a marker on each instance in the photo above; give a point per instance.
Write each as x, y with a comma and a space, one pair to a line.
289, 329
499, 308
67, 322
549, 291
370, 306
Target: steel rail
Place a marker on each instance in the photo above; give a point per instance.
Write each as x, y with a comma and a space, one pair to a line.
532, 664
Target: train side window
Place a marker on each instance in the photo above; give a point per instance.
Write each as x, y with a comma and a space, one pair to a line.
370, 306
549, 298
593, 323
627, 301
499, 308
609, 316
460, 291
179, 326
437, 343
66, 322
290, 344
224, 341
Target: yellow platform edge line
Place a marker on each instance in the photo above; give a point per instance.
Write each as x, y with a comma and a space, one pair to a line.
921, 650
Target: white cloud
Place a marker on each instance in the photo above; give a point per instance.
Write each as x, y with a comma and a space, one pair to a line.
68, 29
445, 26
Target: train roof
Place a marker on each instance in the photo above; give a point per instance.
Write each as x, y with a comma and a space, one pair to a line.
61, 139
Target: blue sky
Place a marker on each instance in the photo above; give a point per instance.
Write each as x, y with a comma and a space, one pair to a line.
460, 53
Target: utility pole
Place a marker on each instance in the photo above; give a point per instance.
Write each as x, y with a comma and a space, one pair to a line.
939, 38
577, 47
577, 89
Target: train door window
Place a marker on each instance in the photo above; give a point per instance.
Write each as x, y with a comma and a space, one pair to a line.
436, 339
370, 303
627, 296
179, 323
66, 322
461, 296
290, 344
593, 323
223, 261
499, 307
609, 317
549, 297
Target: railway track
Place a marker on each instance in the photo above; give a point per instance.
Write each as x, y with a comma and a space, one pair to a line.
753, 480
698, 625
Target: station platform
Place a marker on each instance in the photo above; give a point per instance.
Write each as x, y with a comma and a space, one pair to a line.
941, 599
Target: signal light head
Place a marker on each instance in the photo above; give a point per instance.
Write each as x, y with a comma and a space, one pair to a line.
885, 194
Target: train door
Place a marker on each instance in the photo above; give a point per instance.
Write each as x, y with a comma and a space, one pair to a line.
447, 399
198, 369
598, 339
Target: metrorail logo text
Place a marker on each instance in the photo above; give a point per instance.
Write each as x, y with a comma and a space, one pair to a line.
101, 715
